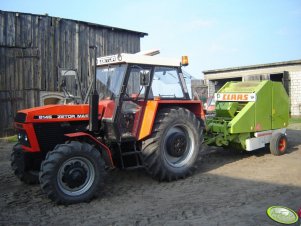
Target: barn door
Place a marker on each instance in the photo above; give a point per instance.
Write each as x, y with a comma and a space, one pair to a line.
19, 83
286, 82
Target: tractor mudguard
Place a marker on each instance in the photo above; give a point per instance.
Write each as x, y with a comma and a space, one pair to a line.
152, 106
105, 151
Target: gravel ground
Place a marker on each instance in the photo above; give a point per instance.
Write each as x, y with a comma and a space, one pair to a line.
228, 189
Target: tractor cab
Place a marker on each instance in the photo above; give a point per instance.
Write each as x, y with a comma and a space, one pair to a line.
128, 82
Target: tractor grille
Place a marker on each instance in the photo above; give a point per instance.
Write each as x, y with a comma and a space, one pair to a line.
20, 117
51, 134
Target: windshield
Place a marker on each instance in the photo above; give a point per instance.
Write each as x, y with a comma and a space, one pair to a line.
166, 83
109, 80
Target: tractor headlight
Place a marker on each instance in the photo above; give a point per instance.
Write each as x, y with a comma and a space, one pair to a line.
23, 138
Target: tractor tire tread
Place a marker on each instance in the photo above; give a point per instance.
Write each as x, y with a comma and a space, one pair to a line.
150, 150
60, 153
26, 176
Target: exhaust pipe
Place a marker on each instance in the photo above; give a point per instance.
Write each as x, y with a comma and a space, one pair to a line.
94, 98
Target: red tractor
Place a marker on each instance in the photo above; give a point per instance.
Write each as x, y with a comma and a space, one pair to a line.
142, 117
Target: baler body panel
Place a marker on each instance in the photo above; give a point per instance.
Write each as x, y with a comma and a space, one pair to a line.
244, 108
280, 108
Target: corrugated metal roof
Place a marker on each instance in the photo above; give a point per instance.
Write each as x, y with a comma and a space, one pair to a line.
257, 66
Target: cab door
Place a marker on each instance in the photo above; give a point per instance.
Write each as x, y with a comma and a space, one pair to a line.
133, 101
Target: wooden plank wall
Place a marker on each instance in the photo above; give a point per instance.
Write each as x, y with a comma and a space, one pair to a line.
33, 47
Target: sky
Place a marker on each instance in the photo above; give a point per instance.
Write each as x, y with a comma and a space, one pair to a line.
214, 34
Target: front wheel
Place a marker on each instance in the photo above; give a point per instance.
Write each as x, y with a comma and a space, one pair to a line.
24, 165
174, 146
72, 173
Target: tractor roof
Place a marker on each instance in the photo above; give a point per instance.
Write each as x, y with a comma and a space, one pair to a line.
137, 59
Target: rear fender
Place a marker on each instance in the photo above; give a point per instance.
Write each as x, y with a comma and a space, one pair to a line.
152, 107
105, 151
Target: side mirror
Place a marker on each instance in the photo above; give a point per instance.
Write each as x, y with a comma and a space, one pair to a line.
144, 77
63, 83
65, 73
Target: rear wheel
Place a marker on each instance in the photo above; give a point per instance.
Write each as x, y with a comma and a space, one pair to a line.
23, 165
174, 146
278, 144
72, 173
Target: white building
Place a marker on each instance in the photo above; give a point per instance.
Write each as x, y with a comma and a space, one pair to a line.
288, 72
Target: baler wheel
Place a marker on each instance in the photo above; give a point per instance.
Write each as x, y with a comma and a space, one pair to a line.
72, 173
21, 164
278, 144
174, 146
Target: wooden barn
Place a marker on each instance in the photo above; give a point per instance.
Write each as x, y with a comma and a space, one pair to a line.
34, 47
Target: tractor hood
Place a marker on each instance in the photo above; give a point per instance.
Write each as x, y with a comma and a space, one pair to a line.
61, 113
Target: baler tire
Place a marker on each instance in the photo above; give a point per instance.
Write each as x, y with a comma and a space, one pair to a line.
20, 164
167, 158
73, 172
278, 144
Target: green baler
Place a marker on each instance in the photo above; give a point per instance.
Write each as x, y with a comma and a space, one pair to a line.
250, 115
